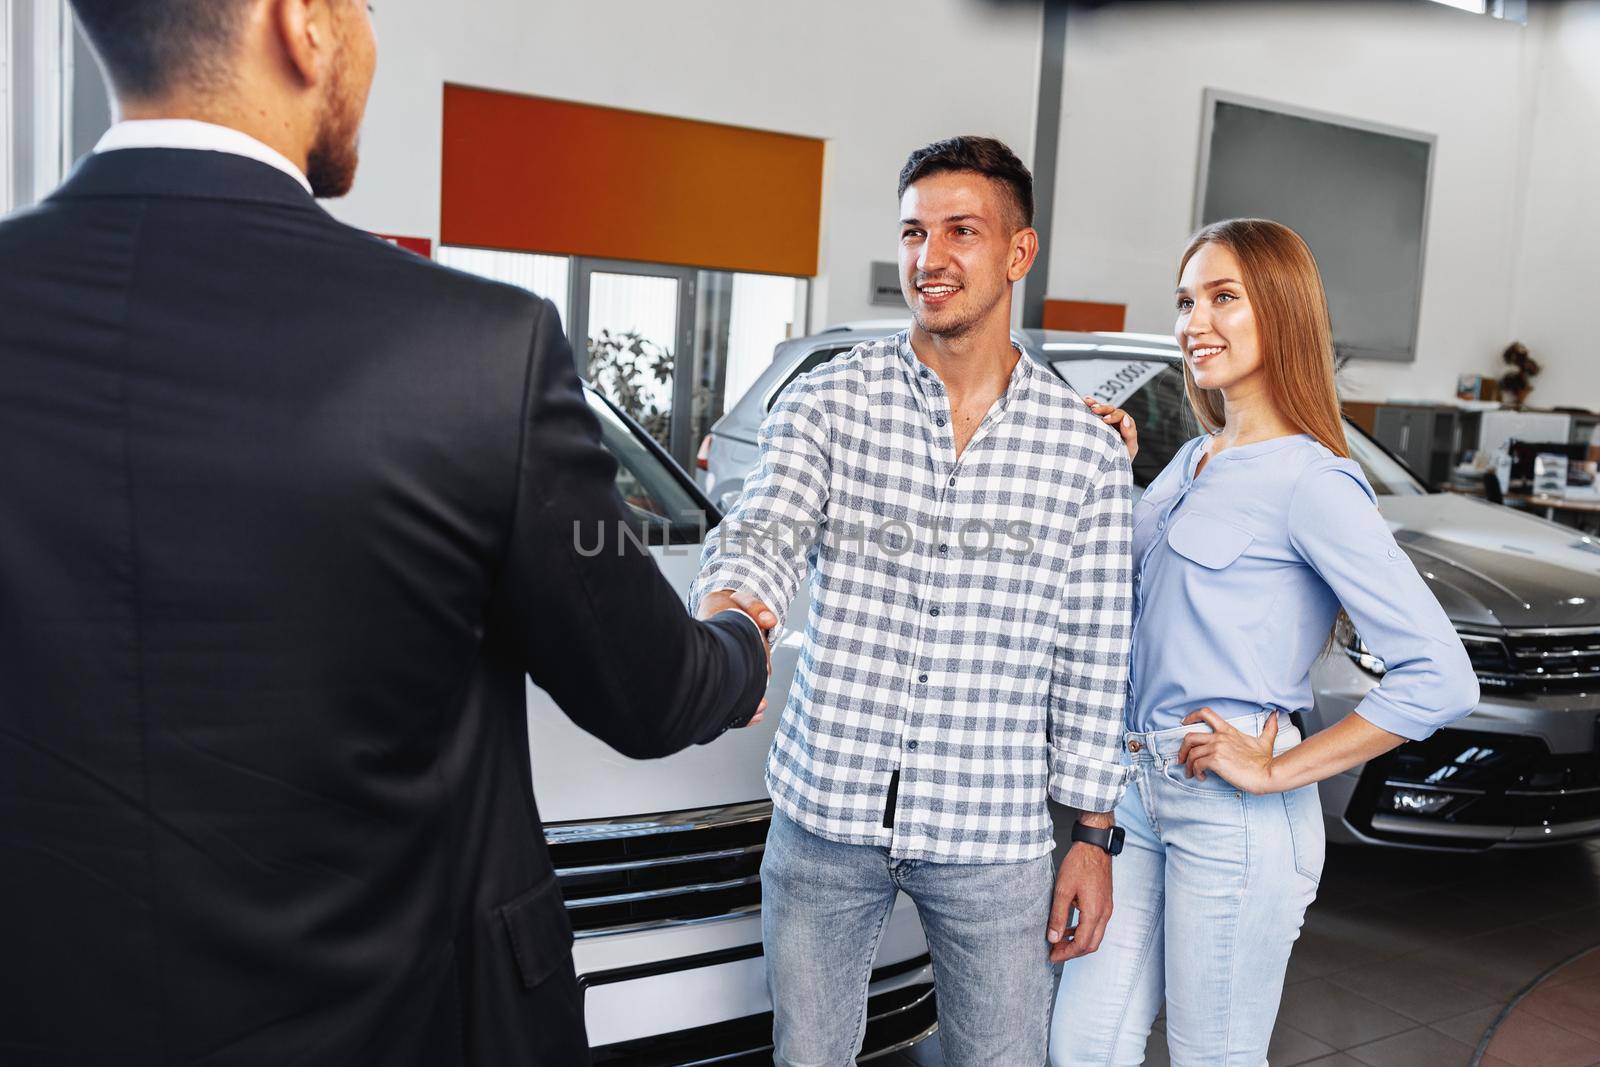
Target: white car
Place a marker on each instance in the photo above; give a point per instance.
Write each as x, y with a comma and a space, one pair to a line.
659, 860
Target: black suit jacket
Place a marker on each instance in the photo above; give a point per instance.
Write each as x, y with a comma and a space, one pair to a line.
285, 515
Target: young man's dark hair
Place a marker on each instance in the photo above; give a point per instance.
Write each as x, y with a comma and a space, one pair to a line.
983, 155
151, 47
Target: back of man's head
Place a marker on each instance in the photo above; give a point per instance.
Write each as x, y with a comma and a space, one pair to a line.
153, 48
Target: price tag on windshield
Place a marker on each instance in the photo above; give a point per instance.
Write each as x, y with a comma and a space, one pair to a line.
1110, 381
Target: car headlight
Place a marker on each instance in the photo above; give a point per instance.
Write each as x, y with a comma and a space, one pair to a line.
1358, 652
1490, 661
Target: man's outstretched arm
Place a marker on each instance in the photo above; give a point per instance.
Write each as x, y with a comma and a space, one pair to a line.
757, 559
604, 632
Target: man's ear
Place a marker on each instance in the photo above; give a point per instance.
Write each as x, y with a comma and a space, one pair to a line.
304, 33
1024, 250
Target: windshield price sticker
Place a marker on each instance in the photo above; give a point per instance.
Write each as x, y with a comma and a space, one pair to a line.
1110, 381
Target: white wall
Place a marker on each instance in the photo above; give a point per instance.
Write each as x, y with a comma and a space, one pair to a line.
871, 77
1556, 285
1131, 114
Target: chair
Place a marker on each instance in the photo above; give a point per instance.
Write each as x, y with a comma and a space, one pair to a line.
1491, 488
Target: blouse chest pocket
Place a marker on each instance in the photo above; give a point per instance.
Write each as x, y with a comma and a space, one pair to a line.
1210, 542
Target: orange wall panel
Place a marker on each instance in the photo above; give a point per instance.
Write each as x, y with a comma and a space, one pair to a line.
533, 174
1084, 315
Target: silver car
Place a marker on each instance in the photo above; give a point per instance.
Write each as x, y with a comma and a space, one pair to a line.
659, 860
1522, 769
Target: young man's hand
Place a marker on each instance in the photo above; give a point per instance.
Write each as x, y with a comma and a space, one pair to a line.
732, 599
1083, 880
765, 618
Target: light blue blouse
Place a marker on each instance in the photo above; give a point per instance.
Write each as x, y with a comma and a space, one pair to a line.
1240, 572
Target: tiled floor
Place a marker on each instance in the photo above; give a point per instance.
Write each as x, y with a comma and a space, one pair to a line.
1407, 959
1558, 1022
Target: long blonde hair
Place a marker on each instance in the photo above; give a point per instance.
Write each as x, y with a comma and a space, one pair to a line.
1291, 311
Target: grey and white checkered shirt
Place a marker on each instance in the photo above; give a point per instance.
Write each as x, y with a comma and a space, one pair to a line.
970, 617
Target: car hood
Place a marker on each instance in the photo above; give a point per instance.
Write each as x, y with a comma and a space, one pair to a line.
1491, 565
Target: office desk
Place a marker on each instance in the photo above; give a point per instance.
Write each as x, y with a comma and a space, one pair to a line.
1582, 503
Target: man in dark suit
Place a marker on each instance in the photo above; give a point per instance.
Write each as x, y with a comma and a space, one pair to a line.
286, 514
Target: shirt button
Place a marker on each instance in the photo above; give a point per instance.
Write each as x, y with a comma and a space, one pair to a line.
952, 479
912, 745
939, 422
922, 677
944, 548
934, 612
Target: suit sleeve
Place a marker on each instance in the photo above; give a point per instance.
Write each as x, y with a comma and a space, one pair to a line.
603, 632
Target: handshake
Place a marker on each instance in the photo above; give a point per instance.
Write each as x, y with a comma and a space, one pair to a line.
765, 618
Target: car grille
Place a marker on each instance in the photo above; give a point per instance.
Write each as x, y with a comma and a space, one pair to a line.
659, 870
1489, 780
1538, 661
896, 1020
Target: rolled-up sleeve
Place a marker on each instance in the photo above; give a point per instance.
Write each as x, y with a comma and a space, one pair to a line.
1335, 525
763, 544
1089, 684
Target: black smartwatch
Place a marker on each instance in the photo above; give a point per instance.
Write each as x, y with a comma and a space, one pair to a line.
1109, 839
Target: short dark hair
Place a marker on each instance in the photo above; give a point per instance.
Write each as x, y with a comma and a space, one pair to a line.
981, 155
151, 47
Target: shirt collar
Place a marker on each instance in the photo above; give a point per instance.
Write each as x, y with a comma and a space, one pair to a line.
196, 136
1240, 452
921, 373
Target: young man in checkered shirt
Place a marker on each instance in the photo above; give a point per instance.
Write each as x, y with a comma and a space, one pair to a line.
964, 519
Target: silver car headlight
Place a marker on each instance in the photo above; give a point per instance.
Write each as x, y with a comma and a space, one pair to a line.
1357, 649
1490, 661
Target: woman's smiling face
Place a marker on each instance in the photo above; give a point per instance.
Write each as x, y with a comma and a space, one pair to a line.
1216, 326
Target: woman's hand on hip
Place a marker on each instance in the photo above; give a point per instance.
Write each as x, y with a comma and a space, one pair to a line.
1245, 761
1119, 421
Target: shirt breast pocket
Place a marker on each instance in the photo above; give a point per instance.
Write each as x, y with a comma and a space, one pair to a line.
1210, 542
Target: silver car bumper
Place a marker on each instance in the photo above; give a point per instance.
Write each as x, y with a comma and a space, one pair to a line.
666, 913
1520, 771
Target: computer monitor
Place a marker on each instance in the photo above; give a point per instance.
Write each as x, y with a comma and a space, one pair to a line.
1523, 453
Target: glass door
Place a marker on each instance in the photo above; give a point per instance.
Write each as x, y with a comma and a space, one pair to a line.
632, 329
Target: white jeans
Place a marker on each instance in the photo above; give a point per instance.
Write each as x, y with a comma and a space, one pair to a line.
1209, 894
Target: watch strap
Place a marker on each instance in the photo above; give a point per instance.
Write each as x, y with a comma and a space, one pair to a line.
1108, 838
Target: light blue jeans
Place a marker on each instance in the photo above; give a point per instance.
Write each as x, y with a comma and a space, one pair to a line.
1208, 897
823, 910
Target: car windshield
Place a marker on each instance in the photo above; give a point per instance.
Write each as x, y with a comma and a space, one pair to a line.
667, 510
1152, 392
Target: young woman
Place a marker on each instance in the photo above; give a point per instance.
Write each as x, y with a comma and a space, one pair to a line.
1245, 549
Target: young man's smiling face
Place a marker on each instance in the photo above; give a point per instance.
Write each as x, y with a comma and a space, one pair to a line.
962, 246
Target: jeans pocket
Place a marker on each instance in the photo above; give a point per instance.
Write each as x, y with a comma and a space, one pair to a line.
1212, 785
1303, 809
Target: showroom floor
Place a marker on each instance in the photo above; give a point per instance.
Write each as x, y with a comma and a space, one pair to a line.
1408, 959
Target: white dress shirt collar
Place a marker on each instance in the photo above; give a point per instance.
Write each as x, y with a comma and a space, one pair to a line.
196, 136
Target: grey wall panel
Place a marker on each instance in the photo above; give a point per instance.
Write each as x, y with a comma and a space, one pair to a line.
1357, 193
